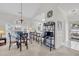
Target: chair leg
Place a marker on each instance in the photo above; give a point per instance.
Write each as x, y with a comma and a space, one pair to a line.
9, 45
26, 44
38, 40
17, 43
31, 40
5, 41
50, 48
41, 42
20, 45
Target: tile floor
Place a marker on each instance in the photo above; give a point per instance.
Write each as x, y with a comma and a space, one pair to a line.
36, 49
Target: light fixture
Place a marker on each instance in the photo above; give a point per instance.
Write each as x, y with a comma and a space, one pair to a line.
43, 19
74, 12
21, 20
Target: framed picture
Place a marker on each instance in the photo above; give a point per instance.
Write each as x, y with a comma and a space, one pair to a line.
50, 14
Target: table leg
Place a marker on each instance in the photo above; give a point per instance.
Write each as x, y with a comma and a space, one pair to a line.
26, 44
20, 44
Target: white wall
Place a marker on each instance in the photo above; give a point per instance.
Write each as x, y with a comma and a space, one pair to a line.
63, 13
72, 44
58, 15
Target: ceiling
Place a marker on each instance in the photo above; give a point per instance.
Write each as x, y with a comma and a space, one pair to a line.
29, 9
32, 9
70, 8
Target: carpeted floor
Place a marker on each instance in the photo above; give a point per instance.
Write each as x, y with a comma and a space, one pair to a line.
36, 49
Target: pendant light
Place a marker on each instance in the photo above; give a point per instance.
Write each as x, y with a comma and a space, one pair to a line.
21, 20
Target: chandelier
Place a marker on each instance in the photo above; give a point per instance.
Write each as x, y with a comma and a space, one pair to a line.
20, 20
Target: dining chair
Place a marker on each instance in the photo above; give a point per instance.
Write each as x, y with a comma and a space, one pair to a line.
12, 41
23, 38
26, 39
